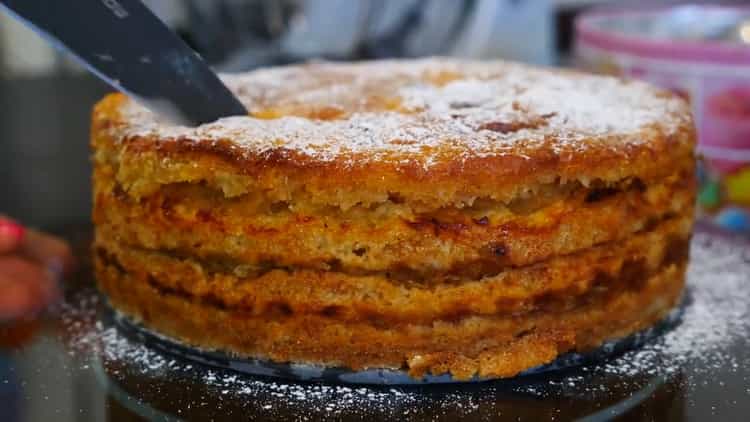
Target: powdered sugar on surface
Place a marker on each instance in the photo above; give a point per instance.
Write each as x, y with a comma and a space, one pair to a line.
718, 314
419, 109
710, 340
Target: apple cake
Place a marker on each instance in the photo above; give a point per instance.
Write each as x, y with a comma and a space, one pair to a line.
477, 218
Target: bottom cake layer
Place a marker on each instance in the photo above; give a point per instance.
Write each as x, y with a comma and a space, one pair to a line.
487, 346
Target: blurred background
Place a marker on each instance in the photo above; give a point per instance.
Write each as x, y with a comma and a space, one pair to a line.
45, 98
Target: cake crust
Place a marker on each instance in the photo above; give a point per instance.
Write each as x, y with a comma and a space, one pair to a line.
437, 131
435, 215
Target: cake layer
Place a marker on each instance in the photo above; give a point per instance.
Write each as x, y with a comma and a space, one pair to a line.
436, 132
194, 221
558, 283
488, 346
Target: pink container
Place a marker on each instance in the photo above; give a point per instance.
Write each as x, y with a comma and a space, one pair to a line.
703, 54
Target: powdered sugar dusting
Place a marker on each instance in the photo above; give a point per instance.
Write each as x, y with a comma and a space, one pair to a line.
417, 110
715, 325
718, 314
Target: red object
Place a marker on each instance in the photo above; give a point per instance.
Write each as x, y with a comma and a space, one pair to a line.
12, 229
732, 104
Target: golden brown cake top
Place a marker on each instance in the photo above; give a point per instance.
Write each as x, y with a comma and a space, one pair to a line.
435, 131
425, 111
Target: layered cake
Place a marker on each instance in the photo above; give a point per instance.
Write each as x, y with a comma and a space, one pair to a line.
436, 215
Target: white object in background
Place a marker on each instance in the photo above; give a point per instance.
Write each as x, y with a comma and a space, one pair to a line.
24, 52
172, 12
511, 29
326, 28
